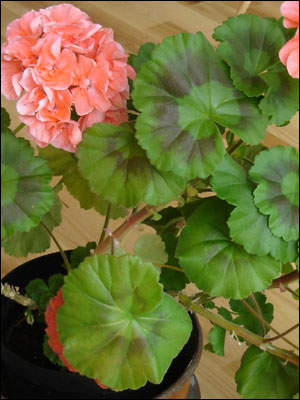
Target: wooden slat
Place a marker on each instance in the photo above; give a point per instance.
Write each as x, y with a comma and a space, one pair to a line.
134, 23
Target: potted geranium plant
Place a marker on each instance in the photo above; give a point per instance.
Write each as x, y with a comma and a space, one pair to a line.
128, 136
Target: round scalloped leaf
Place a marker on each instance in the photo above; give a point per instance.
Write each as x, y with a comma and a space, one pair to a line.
185, 95
230, 182
125, 330
216, 264
281, 86
277, 173
264, 376
37, 239
26, 193
250, 45
64, 163
117, 168
150, 248
144, 54
247, 319
247, 226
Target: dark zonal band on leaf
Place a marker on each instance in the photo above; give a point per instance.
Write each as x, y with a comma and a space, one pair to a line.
184, 94
26, 193
129, 176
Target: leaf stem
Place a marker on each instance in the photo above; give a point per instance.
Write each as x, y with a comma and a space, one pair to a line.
66, 261
256, 305
239, 330
282, 334
170, 267
292, 291
235, 146
106, 222
266, 323
285, 279
18, 128
127, 225
133, 112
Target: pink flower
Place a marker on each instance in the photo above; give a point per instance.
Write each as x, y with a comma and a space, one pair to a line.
289, 53
290, 13
63, 60
114, 117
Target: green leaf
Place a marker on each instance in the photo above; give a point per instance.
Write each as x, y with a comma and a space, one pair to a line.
216, 264
185, 94
216, 335
80, 253
231, 183
36, 288
287, 268
150, 248
250, 45
247, 226
26, 193
37, 239
55, 282
264, 376
64, 163
281, 86
249, 154
123, 322
171, 279
5, 119
277, 173
144, 54
247, 319
49, 353
129, 177
168, 215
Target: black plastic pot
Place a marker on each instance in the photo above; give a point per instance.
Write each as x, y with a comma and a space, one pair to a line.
28, 376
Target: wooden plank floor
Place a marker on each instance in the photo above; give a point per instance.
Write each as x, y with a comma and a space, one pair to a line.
134, 23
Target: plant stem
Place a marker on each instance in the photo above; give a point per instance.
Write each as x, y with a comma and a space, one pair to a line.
12, 292
169, 266
18, 128
133, 112
234, 147
248, 161
106, 222
292, 291
266, 323
239, 330
285, 279
66, 261
253, 299
282, 334
112, 246
127, 225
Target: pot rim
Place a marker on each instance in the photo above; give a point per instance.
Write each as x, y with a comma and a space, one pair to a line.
185, 375
188, 372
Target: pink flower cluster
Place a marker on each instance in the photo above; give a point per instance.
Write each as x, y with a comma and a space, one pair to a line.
289, 53
63, 60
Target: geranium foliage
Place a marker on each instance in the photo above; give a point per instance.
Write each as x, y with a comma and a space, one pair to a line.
26, 193
250, 45
264, 376
214, 263
185, 95
117, 168
277, 173
115, 317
